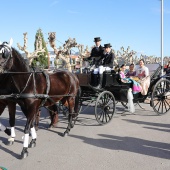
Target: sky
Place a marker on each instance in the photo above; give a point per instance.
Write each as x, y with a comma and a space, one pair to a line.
134, 23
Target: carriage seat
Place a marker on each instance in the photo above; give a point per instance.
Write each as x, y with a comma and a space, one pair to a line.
84, 79
113, 79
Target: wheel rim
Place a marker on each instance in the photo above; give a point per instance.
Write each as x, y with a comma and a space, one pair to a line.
161, 97
105, 107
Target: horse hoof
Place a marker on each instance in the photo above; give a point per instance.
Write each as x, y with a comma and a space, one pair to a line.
32, 145
54, 125
65, 134
24, 155
8, 131
72, 125
9, 143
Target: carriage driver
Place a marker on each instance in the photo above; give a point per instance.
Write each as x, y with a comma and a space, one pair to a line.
105, 64
96, 52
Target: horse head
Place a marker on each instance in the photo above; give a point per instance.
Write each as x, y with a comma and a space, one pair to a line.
5, 56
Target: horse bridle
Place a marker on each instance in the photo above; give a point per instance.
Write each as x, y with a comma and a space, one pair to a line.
6, 54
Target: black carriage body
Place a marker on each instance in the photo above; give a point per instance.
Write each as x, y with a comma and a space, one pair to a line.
112, 82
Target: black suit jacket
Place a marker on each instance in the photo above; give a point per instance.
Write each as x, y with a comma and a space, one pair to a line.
107, 59
96, 53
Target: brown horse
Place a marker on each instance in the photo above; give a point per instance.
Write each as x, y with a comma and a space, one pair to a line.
11, 105
32, 89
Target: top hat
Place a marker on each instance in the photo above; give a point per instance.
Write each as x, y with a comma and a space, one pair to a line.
107, 45
97, 39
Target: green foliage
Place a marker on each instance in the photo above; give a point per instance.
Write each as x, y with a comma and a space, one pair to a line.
42, 58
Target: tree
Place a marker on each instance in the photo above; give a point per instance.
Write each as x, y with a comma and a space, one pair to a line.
42, 59
30, 56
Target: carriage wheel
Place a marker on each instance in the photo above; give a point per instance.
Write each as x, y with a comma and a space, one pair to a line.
105, 107
160, 100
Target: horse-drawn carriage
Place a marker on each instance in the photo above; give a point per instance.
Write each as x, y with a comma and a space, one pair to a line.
32, 89
114, 90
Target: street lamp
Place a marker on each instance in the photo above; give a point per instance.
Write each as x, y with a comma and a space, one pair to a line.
162, 4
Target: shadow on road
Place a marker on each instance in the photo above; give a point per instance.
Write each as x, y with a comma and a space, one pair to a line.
130, 144
148, 123
10, 152
159, 126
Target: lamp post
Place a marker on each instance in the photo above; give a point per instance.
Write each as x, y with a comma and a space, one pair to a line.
162, 4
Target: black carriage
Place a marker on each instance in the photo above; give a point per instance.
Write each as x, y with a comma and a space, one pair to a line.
114, 90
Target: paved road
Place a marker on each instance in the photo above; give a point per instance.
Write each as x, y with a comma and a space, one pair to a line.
131, 142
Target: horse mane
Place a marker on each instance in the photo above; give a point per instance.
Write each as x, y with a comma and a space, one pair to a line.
20, 57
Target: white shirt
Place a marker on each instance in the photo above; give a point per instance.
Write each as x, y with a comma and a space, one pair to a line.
142, 72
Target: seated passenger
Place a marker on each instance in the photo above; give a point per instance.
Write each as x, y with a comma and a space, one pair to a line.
143, 73
122, 73
131, 71
167, 69
136, 88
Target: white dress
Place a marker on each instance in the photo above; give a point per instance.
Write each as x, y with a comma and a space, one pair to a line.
143, 74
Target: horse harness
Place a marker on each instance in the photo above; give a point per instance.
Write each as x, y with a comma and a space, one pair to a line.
22, 95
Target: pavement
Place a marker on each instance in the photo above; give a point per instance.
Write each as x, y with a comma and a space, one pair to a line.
139, 141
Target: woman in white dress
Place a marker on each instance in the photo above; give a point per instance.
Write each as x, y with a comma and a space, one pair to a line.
143, 73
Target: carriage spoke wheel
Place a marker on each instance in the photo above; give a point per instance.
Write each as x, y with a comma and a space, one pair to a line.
105, 107
160, 100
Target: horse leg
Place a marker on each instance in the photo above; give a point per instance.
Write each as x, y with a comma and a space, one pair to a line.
2, 127
29, 126
71, 103
53, 116
77, 107
70, 118
34, 137
37, 119
12, 111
